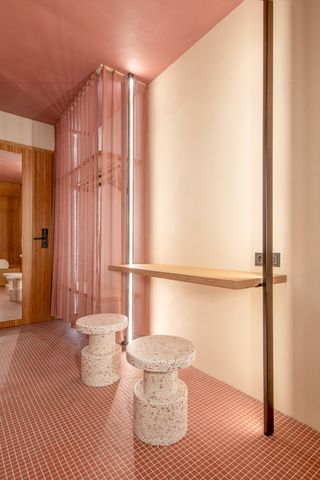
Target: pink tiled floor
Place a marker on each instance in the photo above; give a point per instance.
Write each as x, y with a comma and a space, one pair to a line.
8, 310
53, 427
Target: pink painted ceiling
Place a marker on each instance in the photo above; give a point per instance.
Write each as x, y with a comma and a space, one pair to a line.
10, 167
48, 48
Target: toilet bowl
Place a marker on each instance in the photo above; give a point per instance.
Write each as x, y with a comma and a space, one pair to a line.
4, 263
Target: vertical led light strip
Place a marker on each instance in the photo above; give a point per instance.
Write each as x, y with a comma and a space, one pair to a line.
131, 84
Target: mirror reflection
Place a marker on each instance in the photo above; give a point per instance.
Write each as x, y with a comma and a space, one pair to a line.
10, 236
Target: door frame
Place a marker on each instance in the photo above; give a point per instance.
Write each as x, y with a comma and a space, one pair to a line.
28, 154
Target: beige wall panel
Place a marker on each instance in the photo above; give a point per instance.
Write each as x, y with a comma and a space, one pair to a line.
205, 203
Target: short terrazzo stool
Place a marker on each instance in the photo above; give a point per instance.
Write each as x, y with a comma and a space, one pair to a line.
101, 359
160, 398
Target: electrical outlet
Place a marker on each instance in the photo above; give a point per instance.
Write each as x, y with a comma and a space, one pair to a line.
258, 259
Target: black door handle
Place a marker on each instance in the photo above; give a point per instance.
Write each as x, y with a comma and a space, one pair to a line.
43, 238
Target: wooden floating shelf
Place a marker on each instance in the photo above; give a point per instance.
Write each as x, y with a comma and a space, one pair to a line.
231, 279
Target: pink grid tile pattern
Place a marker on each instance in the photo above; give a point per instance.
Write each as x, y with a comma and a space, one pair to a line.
53, 427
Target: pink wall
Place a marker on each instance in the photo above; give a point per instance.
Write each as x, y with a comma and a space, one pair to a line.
60, 43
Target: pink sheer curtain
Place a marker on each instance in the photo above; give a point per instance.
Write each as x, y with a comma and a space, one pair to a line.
75, 287
91, 202
113, 93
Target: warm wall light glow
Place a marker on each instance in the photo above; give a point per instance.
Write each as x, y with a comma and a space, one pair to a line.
131, 83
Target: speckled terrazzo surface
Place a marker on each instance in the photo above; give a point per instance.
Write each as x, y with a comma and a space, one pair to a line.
160, 353
101, 359
99, 370
101, 323
160, 399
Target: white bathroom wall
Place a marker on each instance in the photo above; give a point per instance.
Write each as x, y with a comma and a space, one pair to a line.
26, 132
205, 114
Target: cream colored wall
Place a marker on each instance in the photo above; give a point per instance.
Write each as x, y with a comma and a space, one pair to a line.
25, 131
304, 332
205, 115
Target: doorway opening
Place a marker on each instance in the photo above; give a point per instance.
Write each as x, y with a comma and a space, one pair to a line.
10, 236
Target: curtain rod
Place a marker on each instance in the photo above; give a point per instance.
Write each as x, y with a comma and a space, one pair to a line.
96, 72
112, 70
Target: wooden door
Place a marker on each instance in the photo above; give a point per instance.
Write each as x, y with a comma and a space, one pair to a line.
37, 204
36, 215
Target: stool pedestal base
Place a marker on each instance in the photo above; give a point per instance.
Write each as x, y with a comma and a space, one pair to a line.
100, 369
161, 418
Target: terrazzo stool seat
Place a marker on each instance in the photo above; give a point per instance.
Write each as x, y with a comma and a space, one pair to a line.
160, 398
101, 359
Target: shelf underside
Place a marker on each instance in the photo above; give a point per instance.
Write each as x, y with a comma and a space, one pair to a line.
231, 279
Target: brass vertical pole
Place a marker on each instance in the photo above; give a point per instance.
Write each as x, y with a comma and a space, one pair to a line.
268, 216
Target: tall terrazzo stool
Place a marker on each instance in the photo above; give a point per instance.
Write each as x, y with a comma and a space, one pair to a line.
160, 398
8, 283
101, 358
15, 286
